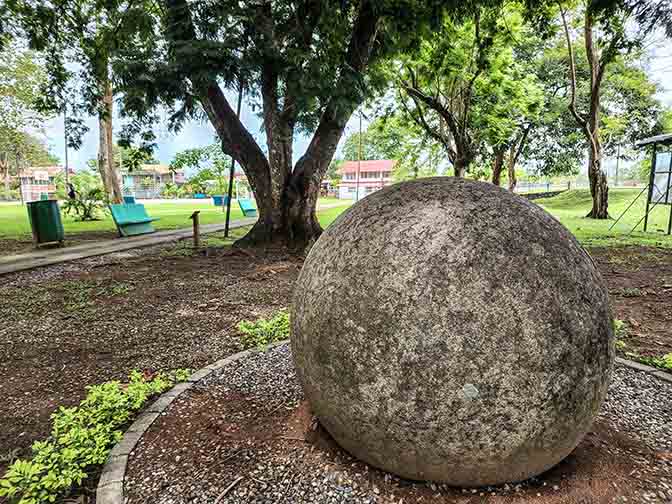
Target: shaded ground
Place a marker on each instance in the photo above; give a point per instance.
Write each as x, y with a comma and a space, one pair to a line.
72, 325
249, 424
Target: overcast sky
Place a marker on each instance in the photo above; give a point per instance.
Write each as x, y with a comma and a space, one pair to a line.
196, 134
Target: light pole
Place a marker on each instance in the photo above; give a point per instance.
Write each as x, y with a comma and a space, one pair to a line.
65, 136
359, 158
618, 160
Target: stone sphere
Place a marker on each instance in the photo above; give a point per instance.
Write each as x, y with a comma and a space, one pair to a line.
448, 330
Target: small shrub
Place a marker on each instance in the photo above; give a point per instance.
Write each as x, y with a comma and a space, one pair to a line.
119, 289
181, 375
620, 329
620, 345
631, 292
9, 195
81, 438
664, 362
263, 332
90, 198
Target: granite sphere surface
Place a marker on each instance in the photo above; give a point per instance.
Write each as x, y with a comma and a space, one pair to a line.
448, 330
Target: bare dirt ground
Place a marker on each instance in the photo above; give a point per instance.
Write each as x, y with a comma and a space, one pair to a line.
640, 289
68, 326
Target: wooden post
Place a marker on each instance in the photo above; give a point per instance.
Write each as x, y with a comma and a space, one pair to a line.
197, 231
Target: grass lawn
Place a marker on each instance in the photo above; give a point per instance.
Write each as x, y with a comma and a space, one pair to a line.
14, 219
571, 208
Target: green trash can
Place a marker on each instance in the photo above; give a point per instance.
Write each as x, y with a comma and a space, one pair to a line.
45, 221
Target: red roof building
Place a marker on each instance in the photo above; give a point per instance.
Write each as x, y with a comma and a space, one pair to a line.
368, 176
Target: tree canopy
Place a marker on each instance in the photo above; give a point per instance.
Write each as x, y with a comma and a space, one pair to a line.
305, 65
21, 80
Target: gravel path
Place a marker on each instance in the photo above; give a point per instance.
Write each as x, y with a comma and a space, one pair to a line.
222, 443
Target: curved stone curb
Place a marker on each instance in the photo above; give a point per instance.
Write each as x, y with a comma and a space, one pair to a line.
111, 484
637, 366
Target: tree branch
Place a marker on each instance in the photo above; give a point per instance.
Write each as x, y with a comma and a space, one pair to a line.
236, 140
420, 120
572, 71
315, 161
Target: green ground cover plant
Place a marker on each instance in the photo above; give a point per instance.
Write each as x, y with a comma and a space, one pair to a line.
264, 332
81, 439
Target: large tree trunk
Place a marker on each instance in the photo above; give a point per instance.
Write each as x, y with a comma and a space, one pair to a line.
4, 170
590, 123
498, 166
286, 198
599, 187
511, 168
459, 167
293, 221
103, 153
106, 165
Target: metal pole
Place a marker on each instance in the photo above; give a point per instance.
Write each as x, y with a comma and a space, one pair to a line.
647, 213
651, 184
618, 160
359, 159
630, 205
667, 195
65, 134
233, 166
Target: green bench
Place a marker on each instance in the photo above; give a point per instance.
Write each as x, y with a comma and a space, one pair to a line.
247, 207
132, 219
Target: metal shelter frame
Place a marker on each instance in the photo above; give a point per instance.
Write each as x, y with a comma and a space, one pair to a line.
665, 140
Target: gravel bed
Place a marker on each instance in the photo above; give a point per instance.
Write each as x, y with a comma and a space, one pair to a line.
641, 404
301, 472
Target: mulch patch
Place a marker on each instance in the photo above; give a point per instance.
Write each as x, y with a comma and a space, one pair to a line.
68, 326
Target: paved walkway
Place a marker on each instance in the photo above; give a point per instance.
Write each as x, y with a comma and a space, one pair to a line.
45, 257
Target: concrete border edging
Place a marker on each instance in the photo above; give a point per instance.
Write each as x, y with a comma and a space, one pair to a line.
110, 488
111, 484
638, 366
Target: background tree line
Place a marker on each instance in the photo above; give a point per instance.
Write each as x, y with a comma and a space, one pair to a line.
481, 86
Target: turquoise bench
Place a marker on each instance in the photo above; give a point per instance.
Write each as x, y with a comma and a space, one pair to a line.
247, 207
132, 219
129, 200
220, 200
